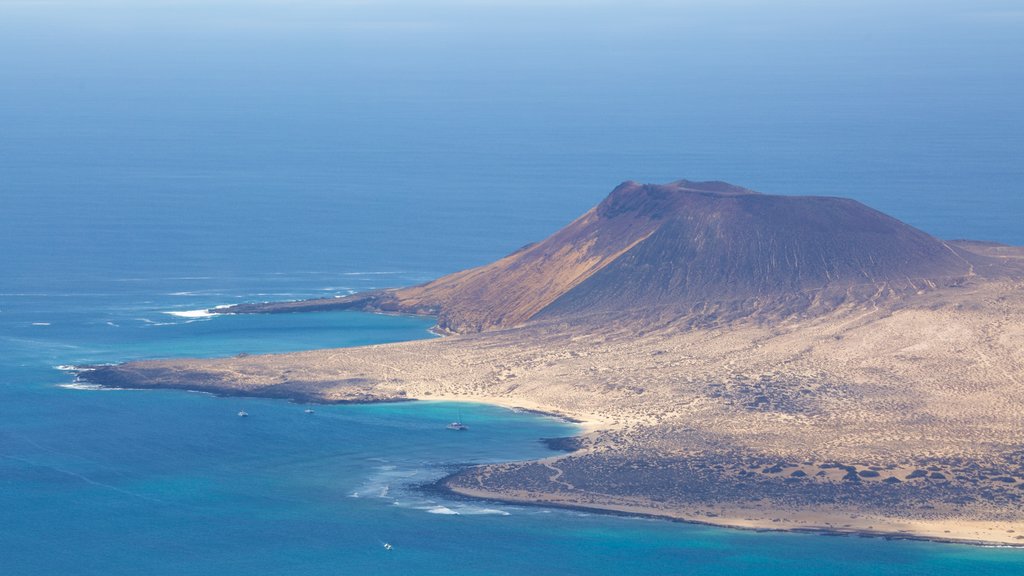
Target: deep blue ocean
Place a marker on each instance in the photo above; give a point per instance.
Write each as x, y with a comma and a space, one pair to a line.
160, 157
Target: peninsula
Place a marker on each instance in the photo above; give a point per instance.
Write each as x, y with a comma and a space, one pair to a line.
750, 360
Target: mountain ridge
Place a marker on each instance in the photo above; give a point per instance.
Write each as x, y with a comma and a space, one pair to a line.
687, 246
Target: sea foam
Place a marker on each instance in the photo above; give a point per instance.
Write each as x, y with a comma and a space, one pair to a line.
441, 510
204, 313
91, 387
193, 314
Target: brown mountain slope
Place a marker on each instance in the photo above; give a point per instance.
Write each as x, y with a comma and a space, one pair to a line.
766, 249
684, 246
517, 287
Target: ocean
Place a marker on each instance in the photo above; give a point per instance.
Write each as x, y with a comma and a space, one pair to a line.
159, 158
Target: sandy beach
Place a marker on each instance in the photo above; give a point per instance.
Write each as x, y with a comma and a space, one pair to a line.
851, 523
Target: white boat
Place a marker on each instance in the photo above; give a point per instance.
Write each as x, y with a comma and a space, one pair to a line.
388, 546
243, 413
458, 425
309, 410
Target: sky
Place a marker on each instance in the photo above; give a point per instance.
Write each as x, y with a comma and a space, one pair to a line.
521, 113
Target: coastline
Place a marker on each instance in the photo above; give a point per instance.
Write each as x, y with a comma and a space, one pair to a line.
587, 423
965, 532
766, 427
960, 532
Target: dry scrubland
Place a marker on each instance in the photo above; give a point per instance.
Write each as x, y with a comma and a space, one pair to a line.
738, 358
906, 417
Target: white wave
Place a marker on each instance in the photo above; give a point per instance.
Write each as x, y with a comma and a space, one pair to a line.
109, 323
71, 368
77, 386
457, 510
442, 510
371, 273
93, 387
40, 323
469, 510
154, 323
371, 491
380, 483
74, 368
207, 292
200, 392
204, 313
195, 314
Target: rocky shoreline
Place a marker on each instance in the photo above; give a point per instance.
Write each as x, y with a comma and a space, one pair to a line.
441, 487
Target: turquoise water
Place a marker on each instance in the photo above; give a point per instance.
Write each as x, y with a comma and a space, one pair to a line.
171, 156
169, 482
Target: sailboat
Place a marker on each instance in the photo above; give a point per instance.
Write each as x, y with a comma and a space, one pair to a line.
458, 425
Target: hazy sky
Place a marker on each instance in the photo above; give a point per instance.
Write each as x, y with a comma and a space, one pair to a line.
525, 112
